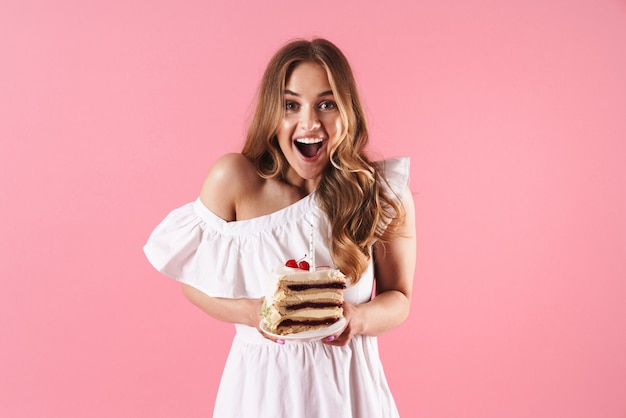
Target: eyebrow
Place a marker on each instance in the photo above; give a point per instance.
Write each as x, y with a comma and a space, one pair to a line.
324, 93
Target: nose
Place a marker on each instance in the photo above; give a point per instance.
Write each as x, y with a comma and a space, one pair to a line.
309, 120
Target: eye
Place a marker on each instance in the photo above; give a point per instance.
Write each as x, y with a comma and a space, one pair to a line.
327, 105
290, 106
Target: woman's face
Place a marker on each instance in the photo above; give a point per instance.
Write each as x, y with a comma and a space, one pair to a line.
310, 125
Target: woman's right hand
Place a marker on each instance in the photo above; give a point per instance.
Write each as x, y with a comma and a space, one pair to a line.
263, 333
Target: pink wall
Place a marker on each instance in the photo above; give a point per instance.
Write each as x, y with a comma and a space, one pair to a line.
515, 119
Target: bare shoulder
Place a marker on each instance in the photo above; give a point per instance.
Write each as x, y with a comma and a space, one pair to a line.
230, 177
232, 166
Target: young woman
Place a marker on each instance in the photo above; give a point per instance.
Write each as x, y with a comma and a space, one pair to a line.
304, 163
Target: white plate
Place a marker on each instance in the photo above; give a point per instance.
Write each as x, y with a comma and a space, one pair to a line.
307, 336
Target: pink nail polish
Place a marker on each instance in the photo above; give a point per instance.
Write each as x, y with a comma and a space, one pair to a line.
281, 342
329, 338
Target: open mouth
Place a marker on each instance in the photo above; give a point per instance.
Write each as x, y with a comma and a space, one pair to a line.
309, 147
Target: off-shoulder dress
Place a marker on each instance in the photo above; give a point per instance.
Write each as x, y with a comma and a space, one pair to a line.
232, 260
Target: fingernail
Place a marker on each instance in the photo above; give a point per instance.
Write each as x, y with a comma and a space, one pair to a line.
329, 338
281, 342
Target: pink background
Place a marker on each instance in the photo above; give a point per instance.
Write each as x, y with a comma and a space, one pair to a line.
514, 115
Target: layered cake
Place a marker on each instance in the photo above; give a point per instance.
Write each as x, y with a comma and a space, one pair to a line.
299, 300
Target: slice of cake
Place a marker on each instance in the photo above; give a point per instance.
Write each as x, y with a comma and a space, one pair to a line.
299, 300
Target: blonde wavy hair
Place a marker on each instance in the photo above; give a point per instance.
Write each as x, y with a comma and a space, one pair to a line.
351, 192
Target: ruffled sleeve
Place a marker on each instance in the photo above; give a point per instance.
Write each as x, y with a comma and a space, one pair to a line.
396, 172
194, 246
228, 259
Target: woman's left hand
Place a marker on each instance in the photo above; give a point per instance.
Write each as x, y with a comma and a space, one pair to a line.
351, 313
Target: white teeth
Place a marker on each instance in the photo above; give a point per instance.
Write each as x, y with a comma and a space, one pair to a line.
309, 140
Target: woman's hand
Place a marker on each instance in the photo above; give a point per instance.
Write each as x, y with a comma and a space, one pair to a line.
269, 337
352, 314
258, 328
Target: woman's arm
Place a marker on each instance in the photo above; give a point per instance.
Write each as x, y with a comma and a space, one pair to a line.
239, 311
394, 264
225, 183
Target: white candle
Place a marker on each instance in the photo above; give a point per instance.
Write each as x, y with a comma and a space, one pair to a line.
311, 245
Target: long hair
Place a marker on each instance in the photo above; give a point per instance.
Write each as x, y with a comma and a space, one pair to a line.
351, 192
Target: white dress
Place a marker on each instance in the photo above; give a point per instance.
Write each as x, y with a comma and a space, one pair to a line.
232, 260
